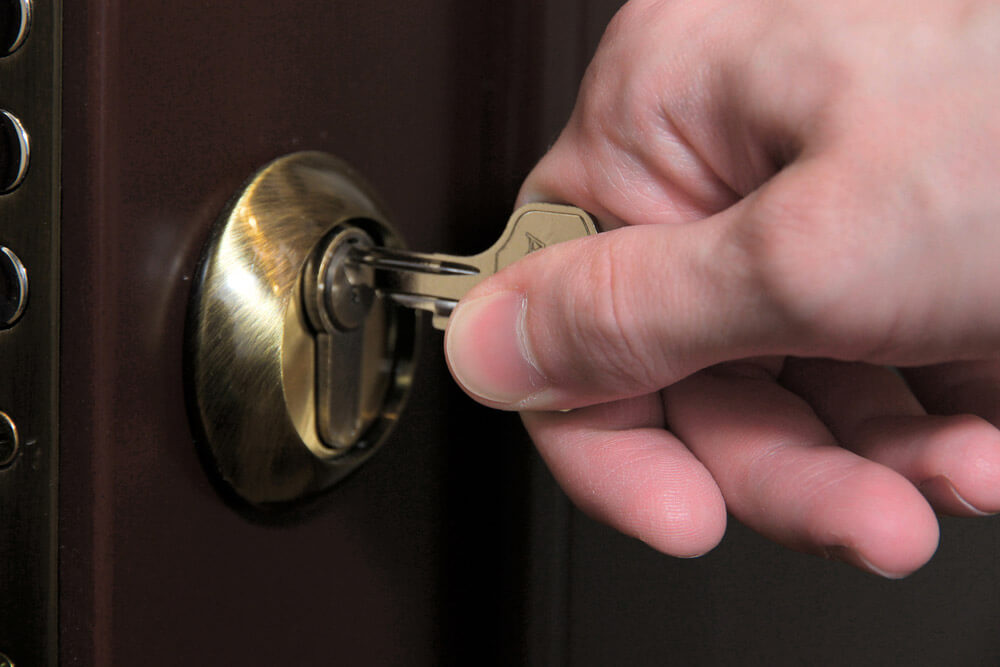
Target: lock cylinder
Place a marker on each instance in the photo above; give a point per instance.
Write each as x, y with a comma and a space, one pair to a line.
339, 293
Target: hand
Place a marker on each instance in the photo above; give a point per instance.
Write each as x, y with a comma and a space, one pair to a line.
799, 193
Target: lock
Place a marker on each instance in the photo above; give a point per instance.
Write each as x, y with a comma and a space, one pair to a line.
288, 395
304, 323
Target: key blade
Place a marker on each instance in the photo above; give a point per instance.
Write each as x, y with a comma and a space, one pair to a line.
436, 282
402, 260
421, 277
440, 309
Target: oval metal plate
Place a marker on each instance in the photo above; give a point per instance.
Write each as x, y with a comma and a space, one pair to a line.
251, 358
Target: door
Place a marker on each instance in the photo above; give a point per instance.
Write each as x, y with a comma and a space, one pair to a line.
417, 558
452, 546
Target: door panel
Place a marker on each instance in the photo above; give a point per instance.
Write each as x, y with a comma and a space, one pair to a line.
169, 107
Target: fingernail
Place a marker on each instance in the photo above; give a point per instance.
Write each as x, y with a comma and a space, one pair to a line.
486, 350
940, 489
852, 557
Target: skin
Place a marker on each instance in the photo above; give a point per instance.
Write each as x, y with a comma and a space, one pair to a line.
796, 195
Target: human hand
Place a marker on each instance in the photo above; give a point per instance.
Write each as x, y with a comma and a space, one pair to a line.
799, 193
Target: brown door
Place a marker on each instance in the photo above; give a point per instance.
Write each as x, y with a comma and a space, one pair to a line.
451, 546
168, 106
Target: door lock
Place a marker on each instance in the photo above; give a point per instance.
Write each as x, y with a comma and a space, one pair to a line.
304, 326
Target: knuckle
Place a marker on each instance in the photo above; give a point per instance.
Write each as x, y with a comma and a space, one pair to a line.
977, 445
802, 66
803, 258
621, 84
631, 19
608, 321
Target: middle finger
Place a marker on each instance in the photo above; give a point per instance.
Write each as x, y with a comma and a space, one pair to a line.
782, 473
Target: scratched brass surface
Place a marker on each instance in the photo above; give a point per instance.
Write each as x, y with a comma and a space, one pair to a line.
252, 355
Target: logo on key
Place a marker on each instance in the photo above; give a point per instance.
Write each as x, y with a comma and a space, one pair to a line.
534, 243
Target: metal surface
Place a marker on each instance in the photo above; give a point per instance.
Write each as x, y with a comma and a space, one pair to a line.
15, 287
16, 22
30, 89
286, 403
16, 152
435, 282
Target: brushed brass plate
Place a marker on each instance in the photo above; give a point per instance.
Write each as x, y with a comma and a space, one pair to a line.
252, 355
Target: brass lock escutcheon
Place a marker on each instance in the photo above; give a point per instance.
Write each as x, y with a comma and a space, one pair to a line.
294, 378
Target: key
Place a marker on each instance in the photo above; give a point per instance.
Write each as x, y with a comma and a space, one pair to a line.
435, 282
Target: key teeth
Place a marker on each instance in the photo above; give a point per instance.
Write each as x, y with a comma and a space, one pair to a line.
440, 308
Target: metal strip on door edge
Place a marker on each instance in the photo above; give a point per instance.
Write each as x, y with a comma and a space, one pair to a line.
30, 91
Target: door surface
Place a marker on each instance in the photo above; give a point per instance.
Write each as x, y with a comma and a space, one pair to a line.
168, 107
452, 546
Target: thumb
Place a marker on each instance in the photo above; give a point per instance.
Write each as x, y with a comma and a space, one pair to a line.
611, 316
